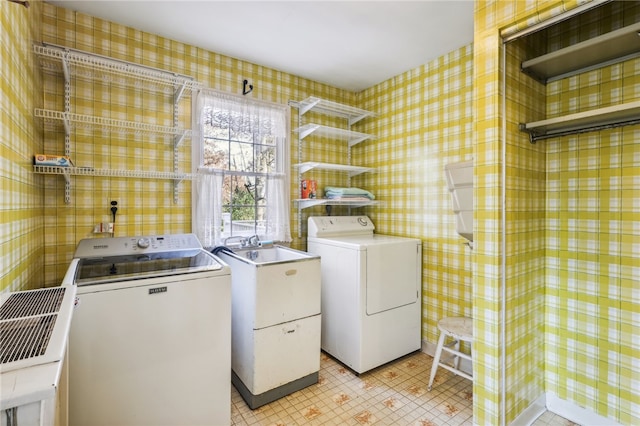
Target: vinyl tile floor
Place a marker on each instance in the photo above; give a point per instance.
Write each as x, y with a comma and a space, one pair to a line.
393, 394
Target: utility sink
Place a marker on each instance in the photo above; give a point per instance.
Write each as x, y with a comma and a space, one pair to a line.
273, 285
275, 315
262, 256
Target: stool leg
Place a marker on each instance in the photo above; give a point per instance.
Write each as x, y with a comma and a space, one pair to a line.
456, 359
436, 359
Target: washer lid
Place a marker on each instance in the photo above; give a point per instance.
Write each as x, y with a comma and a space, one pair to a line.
100, 270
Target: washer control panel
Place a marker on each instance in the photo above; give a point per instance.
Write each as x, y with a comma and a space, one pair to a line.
122, 246
331, 226
144, 242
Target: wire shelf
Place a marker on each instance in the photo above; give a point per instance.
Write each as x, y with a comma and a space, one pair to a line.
101, 69
304, 203
85, 64
90, 171
352, 137
323, 106
352, 170
92, 122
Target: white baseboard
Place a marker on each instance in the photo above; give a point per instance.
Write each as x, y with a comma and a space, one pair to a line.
565, 409
547, 401
575, 413
532, 412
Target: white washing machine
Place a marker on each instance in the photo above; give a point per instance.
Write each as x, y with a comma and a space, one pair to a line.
150, 340
371, 291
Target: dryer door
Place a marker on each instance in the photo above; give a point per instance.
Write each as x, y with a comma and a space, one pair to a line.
392, 276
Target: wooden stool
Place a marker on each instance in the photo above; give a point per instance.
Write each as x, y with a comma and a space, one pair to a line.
460, 329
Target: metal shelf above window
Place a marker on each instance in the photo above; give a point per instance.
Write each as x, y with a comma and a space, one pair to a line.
304, 203
610, 48
597, 119
71, 62
352, 170
353, 138
323, 106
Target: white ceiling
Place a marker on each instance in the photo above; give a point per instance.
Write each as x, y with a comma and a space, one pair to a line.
351, 45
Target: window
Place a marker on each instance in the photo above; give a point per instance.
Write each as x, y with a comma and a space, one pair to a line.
241, 149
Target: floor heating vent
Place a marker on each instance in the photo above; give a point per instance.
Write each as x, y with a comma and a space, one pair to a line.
33, 326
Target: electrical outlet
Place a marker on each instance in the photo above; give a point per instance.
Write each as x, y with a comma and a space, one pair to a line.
103, 228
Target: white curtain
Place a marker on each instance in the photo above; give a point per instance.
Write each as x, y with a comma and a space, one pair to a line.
249, 117
208, 208
278, 225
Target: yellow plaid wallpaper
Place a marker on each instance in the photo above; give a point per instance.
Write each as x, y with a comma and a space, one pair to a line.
593, 238
427, 109
21, 203
524, 244
424, 121
570, 277
145, 206
570, 224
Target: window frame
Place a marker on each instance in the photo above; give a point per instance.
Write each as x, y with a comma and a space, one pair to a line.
277, 152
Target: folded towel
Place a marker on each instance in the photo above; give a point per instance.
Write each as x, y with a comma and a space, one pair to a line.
339, 192
350, 198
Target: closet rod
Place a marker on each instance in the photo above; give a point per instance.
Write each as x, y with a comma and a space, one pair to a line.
533, 138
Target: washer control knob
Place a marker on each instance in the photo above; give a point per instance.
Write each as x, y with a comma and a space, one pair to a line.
143, 242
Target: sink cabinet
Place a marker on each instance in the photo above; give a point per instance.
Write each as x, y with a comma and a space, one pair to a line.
275, 346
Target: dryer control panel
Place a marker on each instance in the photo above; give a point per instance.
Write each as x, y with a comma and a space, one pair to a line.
333, 226
122, 246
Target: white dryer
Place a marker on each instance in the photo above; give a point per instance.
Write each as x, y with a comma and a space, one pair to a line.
371, 291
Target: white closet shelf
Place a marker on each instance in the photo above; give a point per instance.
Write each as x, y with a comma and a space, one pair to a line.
75, 62
607, 117
607, 49
90, 171
352, 137
323, 106
71, 120
304, 203
352, 170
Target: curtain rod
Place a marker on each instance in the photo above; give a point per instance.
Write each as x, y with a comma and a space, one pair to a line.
242, 99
